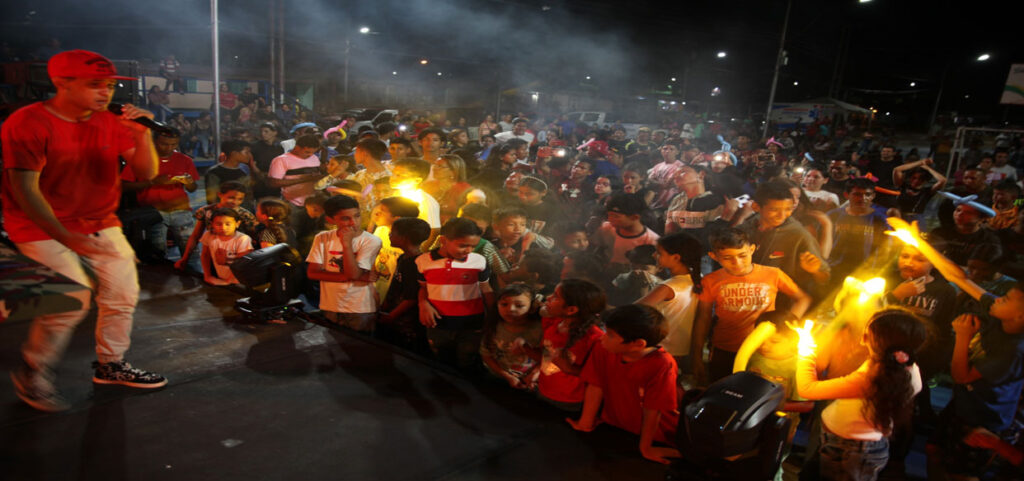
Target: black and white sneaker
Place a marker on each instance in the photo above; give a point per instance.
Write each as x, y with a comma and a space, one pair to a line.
122, 373
36, 389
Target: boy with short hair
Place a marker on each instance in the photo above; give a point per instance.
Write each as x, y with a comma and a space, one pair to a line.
632, 381
859, 227
781, 240
222, 245
398, 319
481, 215
740, 293
454, 293
623, 230
342, 260
384, 216
987, 366
231, 196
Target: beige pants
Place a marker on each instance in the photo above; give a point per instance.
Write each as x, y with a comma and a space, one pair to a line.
113, 278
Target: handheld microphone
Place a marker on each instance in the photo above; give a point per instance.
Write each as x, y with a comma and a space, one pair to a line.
118, 109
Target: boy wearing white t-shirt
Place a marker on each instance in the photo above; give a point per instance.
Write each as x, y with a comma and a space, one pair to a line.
342, 260
222, 245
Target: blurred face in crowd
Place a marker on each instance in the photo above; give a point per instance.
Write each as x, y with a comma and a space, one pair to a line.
912, 264
431, 143
165, 146
917, 180
461, 139
514, 308
887, 154
459, 247
510, 229
659, 136
1003, 199
796, 196
669, 153
397, 151
580, 170
512, 182
619, 220
813, 180
737, 262
576, 241
860, 198
267, 134
643, 137
632, 179
774, 212
985, 164
974, 180
519, 128
224, 225
1001, 158
345, 219
980, 271
231, 198
401, 175
687, 179
966, 218
837, 170
486, 142
303, 152
619, 134
529, 196
603, 186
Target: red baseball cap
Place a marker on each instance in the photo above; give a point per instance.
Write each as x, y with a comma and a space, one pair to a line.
82, 64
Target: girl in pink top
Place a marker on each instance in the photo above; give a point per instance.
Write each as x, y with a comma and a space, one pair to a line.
869, 402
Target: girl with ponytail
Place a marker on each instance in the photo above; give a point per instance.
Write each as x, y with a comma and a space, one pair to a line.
869, 402
676, 298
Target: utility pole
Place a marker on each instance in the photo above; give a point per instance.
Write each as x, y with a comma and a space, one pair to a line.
215, 29
778, 65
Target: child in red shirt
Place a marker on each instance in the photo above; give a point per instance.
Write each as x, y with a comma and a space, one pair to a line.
570, 319
635, 379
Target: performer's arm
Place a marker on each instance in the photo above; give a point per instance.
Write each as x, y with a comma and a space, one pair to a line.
25, 190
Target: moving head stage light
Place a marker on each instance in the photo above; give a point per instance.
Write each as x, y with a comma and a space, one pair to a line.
731, 430
273, 276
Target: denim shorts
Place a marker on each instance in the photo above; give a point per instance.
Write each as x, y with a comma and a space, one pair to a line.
850, 459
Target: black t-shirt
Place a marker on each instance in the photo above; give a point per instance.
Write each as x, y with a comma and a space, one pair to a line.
404, 285
956, 246
540, 217
263, 155
837, 187
883, 170
913, 201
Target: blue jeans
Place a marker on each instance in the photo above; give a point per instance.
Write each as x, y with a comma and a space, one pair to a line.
179, 225
851, 460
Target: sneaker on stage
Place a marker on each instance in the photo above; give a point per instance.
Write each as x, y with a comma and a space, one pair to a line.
122, 373
36, 389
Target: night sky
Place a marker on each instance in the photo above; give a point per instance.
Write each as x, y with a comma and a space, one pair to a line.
634, 46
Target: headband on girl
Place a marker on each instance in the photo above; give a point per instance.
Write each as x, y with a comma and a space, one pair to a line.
773, 141
970, 202
337, 129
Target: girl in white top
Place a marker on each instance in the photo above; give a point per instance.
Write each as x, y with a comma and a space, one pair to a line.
676, 298
870, 401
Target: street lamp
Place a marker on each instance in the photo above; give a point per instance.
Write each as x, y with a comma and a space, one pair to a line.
721, 54
796, 83
673, 79
913, 84
423, 61
983, 57
364, 30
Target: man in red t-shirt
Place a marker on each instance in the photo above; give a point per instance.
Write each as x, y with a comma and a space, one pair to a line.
60, 192
168, 194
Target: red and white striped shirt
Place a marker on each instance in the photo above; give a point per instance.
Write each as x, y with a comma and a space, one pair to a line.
453, 286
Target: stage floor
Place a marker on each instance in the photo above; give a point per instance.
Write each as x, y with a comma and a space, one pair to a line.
294, 401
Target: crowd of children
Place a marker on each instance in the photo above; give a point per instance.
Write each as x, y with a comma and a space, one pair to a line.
603, 279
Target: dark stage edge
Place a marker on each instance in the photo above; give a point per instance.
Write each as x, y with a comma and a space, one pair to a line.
295, 401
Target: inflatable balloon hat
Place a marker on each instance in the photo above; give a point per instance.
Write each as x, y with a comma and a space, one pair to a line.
773, 141
340, 129
881, 190
807, 155
971, 202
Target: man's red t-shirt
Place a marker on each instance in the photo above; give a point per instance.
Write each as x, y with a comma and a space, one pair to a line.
168, 194
78, 165
631, 387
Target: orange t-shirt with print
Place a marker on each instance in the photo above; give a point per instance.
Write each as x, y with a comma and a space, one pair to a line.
740, 300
